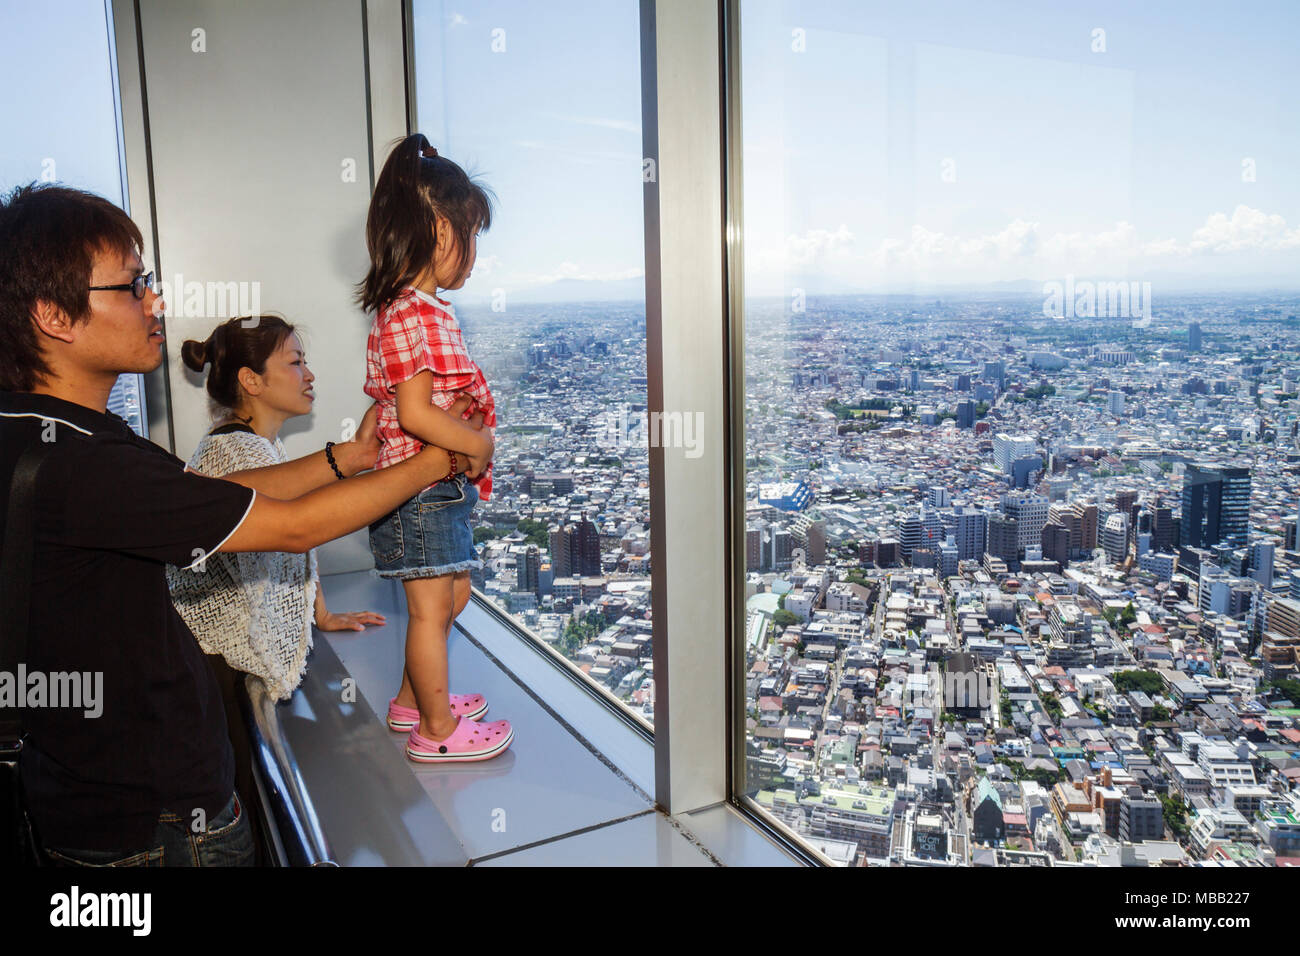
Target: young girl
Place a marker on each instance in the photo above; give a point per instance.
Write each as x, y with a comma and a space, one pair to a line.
420, 231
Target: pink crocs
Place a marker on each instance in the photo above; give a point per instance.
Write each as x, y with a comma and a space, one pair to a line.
406, 719
469, 741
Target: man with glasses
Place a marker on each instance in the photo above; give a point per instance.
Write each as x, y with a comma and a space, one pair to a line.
143, 776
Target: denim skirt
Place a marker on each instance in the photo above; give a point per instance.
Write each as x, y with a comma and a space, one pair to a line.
428, 535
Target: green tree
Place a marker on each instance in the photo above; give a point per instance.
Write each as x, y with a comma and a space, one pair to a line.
1289, 687
1175, 812
1053, 708
783, 618
1148, 682
535, 532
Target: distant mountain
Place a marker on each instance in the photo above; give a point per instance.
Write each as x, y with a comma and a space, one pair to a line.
633, 290
565, 290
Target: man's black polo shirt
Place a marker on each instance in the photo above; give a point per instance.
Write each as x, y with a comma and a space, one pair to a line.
111, 510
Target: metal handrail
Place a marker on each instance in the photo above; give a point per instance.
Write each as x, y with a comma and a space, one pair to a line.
291, 808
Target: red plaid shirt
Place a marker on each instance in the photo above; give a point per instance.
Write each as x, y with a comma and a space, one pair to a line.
417, 332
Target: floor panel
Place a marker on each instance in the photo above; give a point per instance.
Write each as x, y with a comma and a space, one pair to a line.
647, 840
546, 785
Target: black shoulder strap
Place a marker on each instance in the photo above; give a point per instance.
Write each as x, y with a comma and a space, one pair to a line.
16, 572
232, 428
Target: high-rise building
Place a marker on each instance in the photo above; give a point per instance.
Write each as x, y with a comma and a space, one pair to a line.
1056, 543
1160, 563
1124, 503
1114, 538
782, 549
1117, 403
1261, 562
1216, 505
575, 549
1213, 589
529, 564
548, 484
125, 401
939, 497
1194, 337
1003, 539
995, 372
561, 562
966, 413
1068, 518
1009, 448
910, 536
970, 531
1141, 818
810, 534
754, 548
948, 558
1087, 514
1162, 528
1030, 512
1023, 470
1284, 617
1279, 656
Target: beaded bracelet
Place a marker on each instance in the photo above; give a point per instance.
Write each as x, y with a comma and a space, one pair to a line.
329, 456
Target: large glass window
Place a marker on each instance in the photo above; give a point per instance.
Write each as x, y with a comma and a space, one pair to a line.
555, 314
62, 123
1022, 313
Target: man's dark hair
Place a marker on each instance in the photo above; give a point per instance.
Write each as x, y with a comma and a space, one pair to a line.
49, 236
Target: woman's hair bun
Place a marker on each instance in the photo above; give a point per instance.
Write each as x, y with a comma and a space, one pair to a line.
195, 354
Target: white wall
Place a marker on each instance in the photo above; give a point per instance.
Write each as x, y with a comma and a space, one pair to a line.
253, 125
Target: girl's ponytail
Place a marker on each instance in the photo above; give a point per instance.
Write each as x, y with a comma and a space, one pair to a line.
414, 188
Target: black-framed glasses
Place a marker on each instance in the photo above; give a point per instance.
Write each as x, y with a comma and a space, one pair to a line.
137, 286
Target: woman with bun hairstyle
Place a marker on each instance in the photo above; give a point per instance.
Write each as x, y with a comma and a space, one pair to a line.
252, 613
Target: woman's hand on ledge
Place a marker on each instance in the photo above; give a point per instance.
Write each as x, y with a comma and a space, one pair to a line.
352, 621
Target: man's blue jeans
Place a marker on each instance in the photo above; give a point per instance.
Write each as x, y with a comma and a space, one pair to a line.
227, 841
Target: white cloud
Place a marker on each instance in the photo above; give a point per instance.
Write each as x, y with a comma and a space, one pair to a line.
486, 265
815, 244
1020, 250
1247, 229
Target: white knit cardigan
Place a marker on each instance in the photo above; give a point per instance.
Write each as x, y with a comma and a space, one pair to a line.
255, 610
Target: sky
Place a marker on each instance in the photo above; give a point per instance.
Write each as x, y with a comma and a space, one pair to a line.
887, 147
948, 143
59, 123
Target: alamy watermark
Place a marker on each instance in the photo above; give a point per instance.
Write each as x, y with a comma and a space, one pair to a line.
1086, 299
207, 300
76, 908
622, 427
77, 690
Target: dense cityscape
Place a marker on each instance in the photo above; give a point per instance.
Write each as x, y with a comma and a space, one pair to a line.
1023, 588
